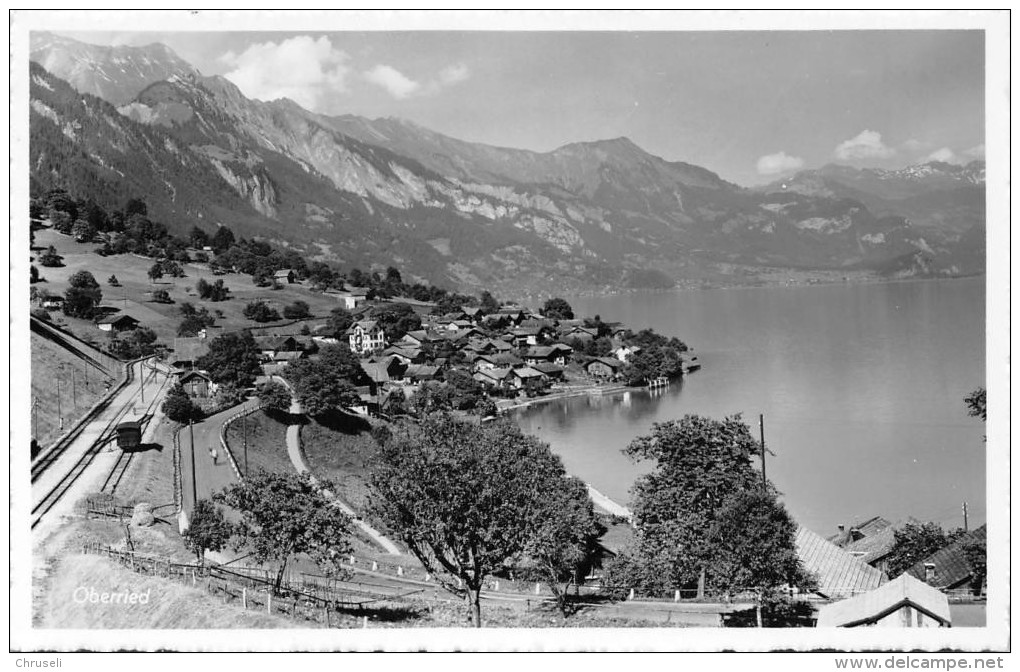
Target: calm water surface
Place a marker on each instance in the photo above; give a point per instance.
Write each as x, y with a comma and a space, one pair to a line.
861, 386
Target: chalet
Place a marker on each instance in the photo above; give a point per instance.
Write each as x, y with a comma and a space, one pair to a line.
285, 276
53, 302
550, 354
553, 371
839, 574
471, 313
285, 357
529, 335
583, 334
623, 352
196, 383
323, 341
904, 602
489, 346
525, 378
419, 373
416, 338
948, 568
349, 299
461, 336
482, 362
366, 336
459, 325
406, 355
187, 352
603, 367
116, 323
492, 378
386, 370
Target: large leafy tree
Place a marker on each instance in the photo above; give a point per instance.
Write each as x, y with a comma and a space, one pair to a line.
274, 396
701, 464
177, 406
396, 319
558, 309
207, 530
565, 537
232, 358
83, 296
320, 387
468, 499
913, 543
285, 514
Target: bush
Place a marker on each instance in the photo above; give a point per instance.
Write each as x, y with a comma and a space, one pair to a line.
113, 281
178, 406
296, 311
260, 311
51, 258
161, 296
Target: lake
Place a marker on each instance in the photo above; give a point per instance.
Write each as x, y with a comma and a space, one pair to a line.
861, 387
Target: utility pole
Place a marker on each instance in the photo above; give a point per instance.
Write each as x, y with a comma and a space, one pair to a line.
60, 416
244, 427
761, 431
141, 380
965, 528
194, 483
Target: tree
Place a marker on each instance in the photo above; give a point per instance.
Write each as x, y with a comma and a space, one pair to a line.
155, 272
216, 291
177, 406
113, 281
61, 221
273, 396
195, 319
488, 303
162, 296
207, 530
320, 386
396, 319
339, 321
198, 238
222, 240
976, 553
296, 311
172, 268
466, 499
136, 206
232, 358
260, 311
700, 465
83, 296
558, 309
754, 548
33, 274
83, 231
284, 514
51, 258
912, 544
566, 536
976, 404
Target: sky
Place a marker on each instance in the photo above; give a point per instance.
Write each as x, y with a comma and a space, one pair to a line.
752, 106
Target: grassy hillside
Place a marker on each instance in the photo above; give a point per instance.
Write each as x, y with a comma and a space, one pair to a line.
134, 297
78, 391
341, 448
267, 443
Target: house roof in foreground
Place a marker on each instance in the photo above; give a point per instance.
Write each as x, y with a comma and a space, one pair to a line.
838, 572
904, 590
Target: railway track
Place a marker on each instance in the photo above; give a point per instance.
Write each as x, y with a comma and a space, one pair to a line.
56, 492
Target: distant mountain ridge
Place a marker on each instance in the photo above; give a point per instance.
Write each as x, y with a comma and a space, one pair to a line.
586, 215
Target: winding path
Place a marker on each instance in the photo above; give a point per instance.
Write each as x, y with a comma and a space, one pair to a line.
297, 458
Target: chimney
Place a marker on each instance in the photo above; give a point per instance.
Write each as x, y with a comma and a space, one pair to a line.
929, 572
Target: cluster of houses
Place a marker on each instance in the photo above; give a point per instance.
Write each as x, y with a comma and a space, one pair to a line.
510, 352
851, 568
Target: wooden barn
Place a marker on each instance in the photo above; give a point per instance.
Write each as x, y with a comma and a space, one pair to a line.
903, 602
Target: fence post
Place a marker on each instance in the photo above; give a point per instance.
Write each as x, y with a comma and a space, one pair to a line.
496, 584
631, 595
194, 579
364, 621
676, 596
375, 566
538, 588
352, 560
269, 602
244, 597
400, 570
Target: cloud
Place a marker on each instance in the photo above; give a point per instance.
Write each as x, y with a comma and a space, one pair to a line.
945, 155
866, 145
914, 145
300, 68
454, 74
780, 162
975, 152
401, 86
395, 82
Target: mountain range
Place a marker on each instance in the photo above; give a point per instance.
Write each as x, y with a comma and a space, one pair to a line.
119, 122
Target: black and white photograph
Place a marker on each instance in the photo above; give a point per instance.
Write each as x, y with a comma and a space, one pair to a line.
665, 331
